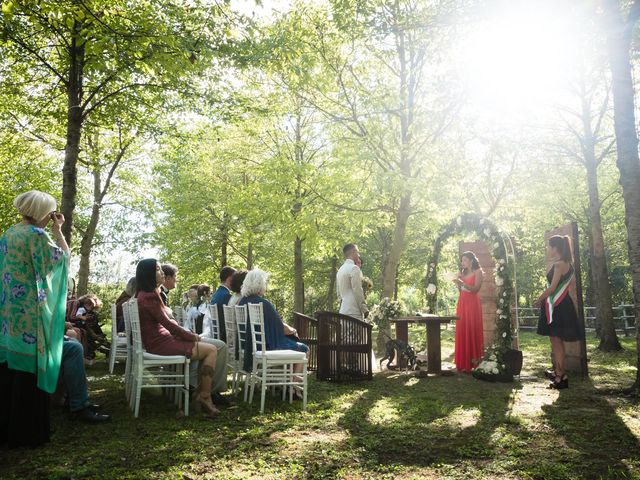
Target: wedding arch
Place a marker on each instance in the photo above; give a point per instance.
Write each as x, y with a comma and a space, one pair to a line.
502, 251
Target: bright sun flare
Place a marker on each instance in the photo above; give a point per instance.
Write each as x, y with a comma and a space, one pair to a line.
521, 56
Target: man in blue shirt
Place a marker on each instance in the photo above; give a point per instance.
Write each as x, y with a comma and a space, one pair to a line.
222, 296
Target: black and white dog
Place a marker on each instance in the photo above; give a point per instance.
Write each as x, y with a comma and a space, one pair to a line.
406, 351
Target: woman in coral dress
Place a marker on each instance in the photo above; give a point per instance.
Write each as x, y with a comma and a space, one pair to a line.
469, 339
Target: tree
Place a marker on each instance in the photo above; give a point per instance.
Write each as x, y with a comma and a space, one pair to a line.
619, 34
378, 57
592, 147
105, 153
104, 56
24, 165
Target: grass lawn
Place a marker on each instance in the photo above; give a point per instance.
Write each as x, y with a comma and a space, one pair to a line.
396, 426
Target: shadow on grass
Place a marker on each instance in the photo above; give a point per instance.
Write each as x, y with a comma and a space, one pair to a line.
429, 421
592, 441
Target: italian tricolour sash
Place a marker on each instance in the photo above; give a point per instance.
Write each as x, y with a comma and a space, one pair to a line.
556, 297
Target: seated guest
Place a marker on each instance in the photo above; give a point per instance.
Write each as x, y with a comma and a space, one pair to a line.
74, 332
222, 296
198, 311
91, 314
85, 318
235, 286
75, 382
161, 335
278, 335
190, 297
128, 292
197, 320
83, 305
170, 280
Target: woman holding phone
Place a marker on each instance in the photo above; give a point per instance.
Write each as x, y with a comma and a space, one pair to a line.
33, 294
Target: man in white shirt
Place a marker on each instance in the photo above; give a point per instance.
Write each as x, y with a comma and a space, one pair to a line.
349, 284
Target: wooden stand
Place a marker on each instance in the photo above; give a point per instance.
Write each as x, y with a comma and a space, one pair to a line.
433, 322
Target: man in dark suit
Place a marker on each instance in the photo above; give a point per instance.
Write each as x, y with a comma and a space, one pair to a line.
221, 297
170, 274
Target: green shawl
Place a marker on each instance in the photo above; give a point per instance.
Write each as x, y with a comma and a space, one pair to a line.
33, 291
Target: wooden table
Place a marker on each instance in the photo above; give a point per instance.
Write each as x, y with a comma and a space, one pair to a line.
433, 322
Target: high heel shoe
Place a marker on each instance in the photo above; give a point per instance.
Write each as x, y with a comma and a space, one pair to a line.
560, 384
550, 374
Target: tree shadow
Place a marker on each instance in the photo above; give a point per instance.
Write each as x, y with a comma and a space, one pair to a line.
430, 421
594, 441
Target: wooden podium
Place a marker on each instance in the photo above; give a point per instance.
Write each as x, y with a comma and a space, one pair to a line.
433, 322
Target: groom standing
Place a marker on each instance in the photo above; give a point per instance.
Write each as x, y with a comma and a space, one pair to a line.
349, 284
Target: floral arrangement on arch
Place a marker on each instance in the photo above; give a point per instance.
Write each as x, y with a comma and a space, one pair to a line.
384, 311
491, 235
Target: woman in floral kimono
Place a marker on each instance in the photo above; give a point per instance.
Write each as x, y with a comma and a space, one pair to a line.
33, 292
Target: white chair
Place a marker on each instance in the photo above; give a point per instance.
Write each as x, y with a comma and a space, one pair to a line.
234, 364
274, 367
155, 371
243, 334
118, 350
214, 321
128, 370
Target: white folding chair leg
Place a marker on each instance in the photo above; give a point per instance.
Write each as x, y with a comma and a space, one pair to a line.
138, 394
247, 380
263, 389
112, 356
252, 384
186, 388
305, 385
290, 379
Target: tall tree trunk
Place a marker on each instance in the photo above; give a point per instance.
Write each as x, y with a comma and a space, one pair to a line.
250, 256
298, 279
390, 268
331, 294
224, 245
599, 271
604, 312
74, 131
89, 234
396, 284
619, 35
589, 294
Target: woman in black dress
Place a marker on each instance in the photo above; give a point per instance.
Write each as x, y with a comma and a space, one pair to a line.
558, 316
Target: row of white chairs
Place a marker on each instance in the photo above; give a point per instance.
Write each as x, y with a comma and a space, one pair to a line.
270, 368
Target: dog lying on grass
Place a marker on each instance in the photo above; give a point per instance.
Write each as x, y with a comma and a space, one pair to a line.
406, 351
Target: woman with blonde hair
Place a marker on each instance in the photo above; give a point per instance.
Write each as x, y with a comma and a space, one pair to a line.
33, 292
